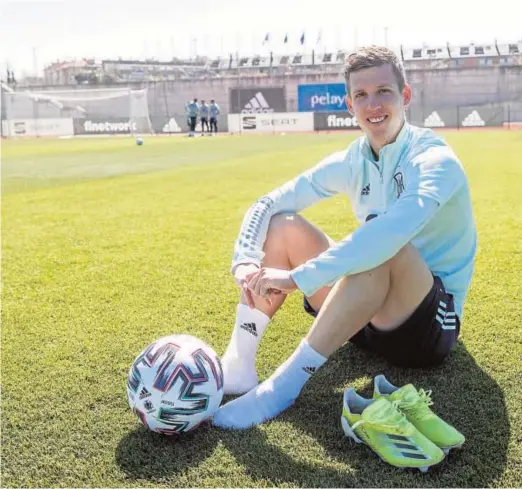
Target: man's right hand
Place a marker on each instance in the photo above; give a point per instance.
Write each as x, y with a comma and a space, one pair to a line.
241, 275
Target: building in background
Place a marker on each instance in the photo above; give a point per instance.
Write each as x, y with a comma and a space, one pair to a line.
81, 72
455, 86
92, 72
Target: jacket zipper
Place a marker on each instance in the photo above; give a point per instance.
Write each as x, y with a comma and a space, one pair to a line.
381, 192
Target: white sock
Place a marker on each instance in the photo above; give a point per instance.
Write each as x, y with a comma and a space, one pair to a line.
239, 360
275, 394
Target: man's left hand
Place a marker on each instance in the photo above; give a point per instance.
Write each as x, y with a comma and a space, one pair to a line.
267, 281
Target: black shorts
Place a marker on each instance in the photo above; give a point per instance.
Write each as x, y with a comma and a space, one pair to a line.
423, 340
192, 123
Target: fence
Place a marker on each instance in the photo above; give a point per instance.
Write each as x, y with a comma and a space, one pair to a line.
165, 101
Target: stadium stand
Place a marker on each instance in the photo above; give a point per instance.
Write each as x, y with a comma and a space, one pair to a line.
446, 79
89, 72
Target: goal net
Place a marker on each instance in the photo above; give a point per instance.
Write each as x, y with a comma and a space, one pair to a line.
94, 111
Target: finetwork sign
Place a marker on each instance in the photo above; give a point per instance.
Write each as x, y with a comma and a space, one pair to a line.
473, 120
109, 127
434, 120
336, 121
327, 97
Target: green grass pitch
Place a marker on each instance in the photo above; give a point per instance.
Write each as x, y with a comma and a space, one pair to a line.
107, 246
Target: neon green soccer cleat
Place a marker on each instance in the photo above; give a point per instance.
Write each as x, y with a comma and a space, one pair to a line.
379, 424
416, 406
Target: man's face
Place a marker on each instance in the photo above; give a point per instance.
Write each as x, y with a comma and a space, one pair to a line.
378, 104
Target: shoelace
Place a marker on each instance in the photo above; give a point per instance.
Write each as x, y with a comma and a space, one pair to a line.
396, 421
420, 408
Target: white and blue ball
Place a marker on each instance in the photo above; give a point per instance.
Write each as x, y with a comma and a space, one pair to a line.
175, 384
139, 141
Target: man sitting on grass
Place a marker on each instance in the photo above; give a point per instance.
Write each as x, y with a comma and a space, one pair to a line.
395, 286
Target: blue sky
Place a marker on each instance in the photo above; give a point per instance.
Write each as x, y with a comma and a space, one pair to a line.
36, 32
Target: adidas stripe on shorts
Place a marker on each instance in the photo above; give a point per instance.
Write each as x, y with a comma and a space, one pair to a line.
423, 340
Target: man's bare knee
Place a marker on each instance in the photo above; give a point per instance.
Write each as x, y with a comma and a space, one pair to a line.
284, 231
279, 229
280, 220
286, 222
302, 239
291, 241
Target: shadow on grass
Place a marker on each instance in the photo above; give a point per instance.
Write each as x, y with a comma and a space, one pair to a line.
463, 394
144, 455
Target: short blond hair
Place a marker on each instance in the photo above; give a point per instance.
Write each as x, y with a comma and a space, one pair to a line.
371, 57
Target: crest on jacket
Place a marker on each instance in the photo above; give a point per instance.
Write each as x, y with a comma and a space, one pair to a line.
399, 183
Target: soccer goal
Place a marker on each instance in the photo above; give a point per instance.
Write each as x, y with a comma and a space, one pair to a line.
93, 111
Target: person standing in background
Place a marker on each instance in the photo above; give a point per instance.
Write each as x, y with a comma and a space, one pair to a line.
193, 112
214, 113
203, 112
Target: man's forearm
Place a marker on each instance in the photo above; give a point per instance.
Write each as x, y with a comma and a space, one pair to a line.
367, 247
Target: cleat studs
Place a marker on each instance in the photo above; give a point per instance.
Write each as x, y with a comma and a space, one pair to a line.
447, 450
348, 430
423, 469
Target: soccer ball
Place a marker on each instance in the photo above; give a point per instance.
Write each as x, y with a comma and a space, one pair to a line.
175, 384
139, 141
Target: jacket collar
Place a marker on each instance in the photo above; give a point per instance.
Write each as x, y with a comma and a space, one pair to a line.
391, 151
